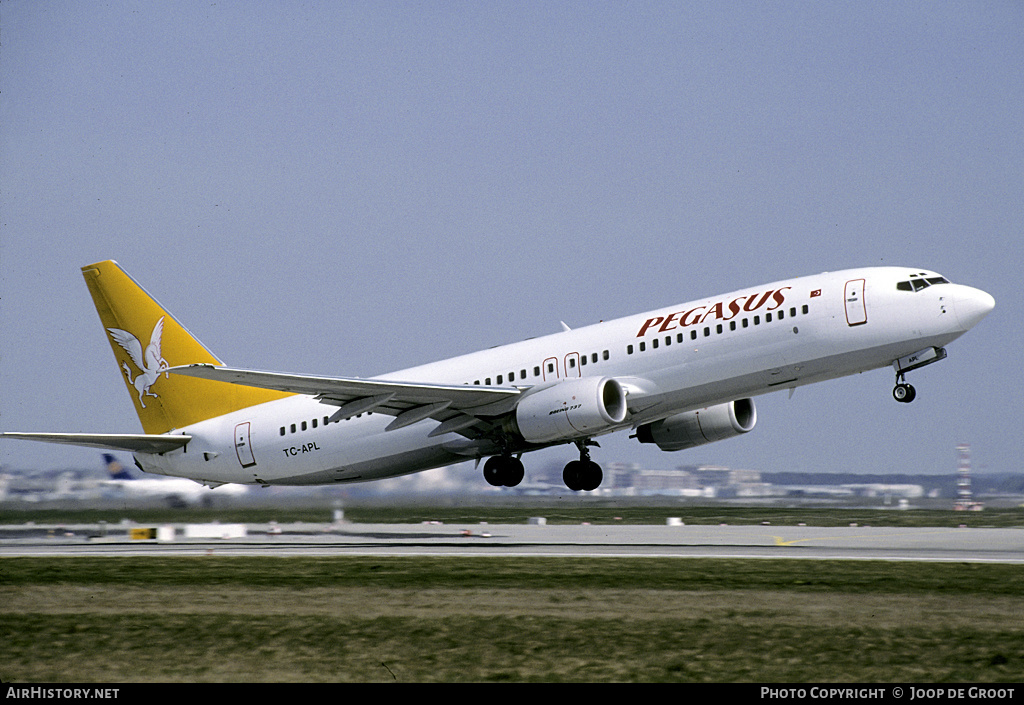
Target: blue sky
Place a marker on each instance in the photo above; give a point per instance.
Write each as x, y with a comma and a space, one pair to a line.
353, 188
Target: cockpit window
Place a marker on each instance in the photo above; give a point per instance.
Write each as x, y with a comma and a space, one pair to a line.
917, 282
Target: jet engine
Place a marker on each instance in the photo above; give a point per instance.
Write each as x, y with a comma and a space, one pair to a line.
571, 409
695, 428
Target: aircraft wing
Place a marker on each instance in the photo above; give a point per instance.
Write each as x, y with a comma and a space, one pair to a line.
457, 407
131, 442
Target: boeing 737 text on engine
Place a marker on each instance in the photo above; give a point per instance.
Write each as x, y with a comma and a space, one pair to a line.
677, 377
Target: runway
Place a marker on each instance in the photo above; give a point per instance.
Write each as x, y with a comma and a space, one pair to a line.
525, 540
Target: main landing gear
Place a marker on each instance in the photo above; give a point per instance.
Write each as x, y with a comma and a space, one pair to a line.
504, 471
903, 392
583, 474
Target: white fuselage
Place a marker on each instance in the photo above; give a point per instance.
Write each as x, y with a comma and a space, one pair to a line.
670, 360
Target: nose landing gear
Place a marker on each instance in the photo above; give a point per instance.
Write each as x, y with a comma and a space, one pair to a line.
904, 392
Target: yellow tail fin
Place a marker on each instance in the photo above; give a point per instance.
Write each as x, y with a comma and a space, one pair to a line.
147, 340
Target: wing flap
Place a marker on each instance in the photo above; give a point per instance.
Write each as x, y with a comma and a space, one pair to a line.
131, 442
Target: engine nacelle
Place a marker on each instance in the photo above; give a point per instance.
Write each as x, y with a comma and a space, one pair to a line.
695, 428
571, 409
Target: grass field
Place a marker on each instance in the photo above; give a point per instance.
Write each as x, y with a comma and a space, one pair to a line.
486, 619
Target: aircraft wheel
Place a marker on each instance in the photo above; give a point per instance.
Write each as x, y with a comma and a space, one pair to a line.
492, 471
592, 476
503, 471
514, 472
904, 393
582, 475
572, 475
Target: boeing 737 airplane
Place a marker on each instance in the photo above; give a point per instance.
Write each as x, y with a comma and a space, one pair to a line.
677, 377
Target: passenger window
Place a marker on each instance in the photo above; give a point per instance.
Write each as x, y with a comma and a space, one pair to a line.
629, 349
606, 355
536, 371
707, 332
693, 335
767, 318
593, 358
282, 430
499, 379
654, 343
806, 309
643, 347
746, 323
732, 325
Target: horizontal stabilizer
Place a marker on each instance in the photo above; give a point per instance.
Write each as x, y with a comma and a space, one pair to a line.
131, 442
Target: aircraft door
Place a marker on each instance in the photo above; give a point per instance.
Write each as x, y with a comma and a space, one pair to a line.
243, 448
550, 369
856, 309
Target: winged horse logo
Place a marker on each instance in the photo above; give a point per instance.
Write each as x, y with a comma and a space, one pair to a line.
150, 364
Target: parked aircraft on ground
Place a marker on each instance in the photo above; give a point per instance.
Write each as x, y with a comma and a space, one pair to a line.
677, 377
174, 491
